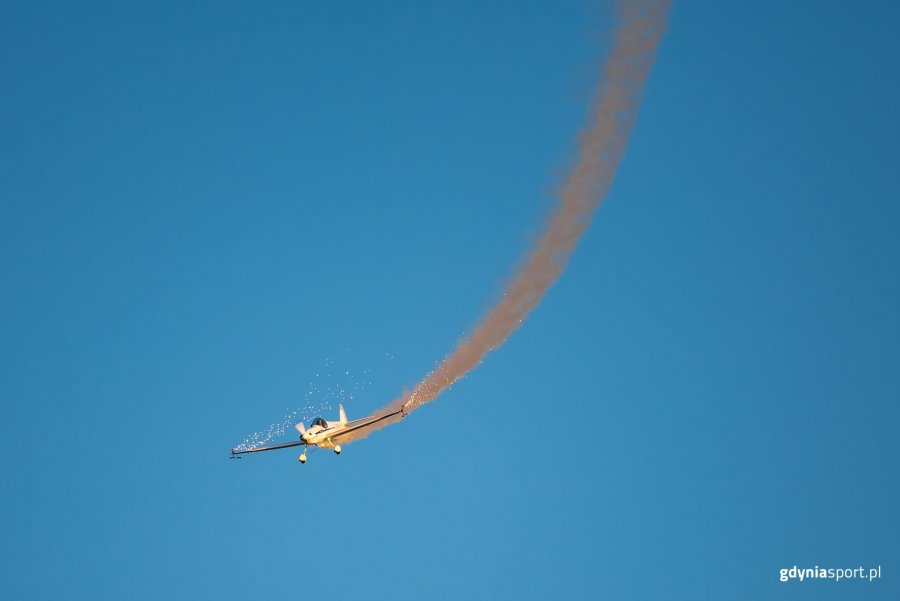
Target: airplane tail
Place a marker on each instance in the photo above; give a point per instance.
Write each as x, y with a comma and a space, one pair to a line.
343, 416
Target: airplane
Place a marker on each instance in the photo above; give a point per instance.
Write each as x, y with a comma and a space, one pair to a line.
323, 433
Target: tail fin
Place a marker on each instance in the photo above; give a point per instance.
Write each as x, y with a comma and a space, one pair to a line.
342, 415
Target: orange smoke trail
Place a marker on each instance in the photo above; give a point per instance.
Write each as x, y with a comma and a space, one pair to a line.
600, 148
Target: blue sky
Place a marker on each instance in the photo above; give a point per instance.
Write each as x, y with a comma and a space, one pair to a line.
211, 211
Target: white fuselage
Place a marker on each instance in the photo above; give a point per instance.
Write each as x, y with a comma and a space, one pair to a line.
321, 437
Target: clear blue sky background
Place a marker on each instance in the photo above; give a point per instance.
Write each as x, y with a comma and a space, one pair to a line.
203, 203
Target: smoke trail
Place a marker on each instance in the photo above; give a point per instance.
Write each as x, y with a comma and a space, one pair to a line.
600, 148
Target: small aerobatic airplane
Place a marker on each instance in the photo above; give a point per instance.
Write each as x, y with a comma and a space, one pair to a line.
323, 433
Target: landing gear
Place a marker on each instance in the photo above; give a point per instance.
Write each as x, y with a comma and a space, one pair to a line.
337, 449
302, 457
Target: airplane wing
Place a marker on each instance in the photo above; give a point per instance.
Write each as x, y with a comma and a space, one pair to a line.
354, 425
272, 448
365, 422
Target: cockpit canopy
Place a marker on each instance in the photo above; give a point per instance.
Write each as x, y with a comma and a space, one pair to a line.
319, 422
